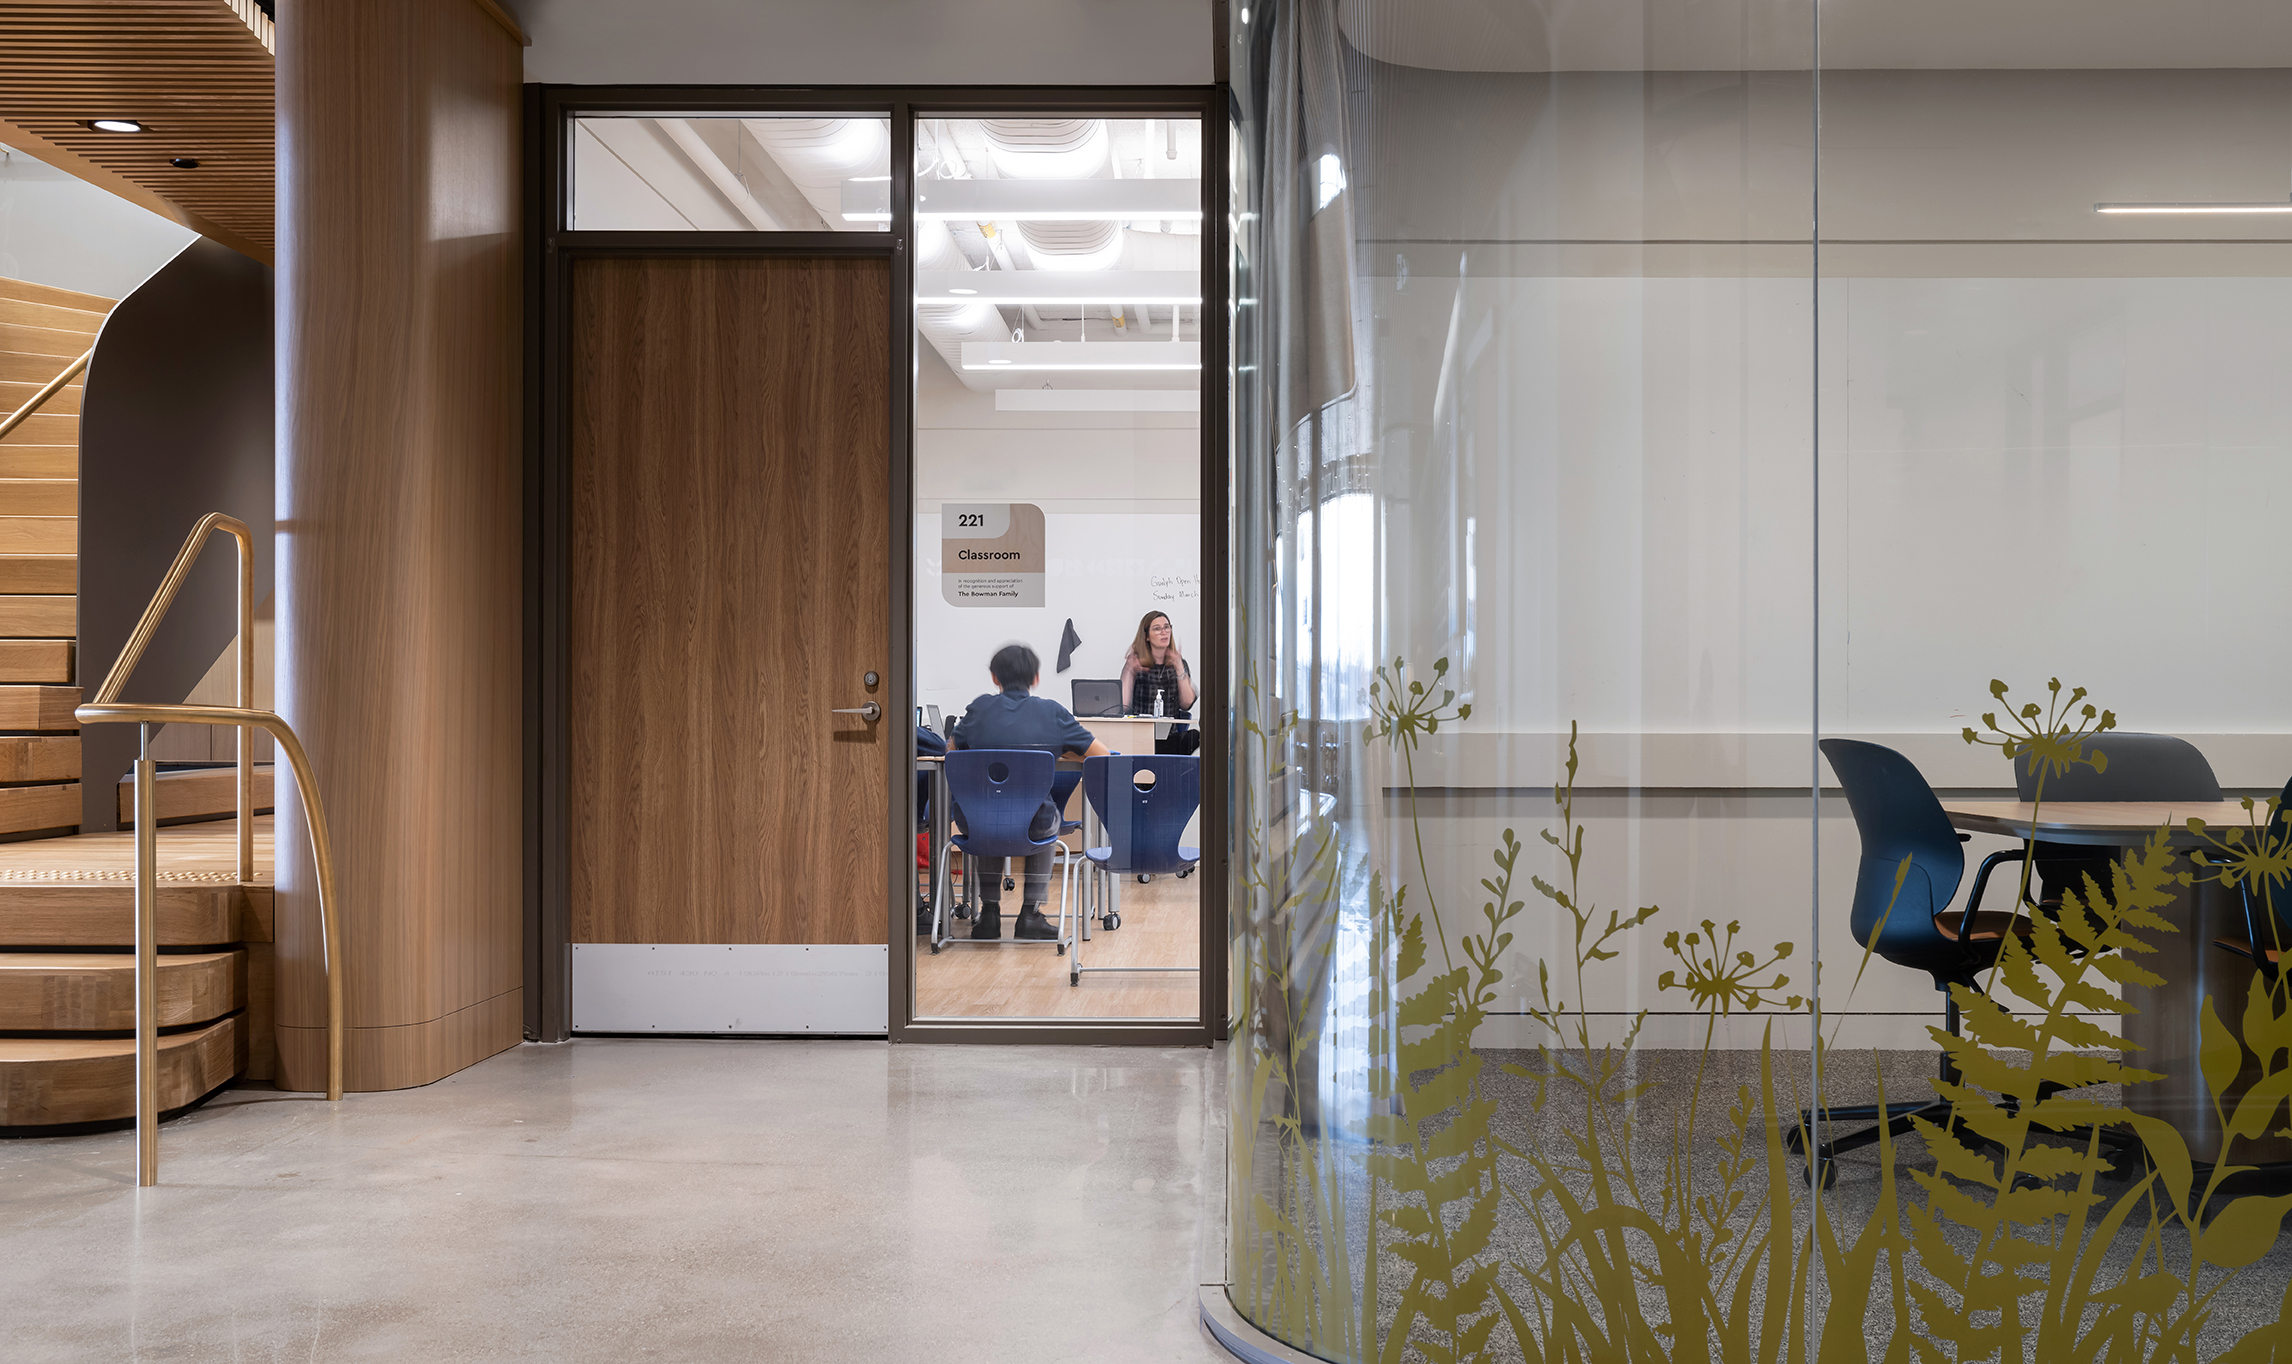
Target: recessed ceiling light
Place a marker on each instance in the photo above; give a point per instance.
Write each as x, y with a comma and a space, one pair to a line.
115, 125
184, 162
962, 291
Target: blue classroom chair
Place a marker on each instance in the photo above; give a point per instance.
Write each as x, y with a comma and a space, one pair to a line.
1142, 821
997, 794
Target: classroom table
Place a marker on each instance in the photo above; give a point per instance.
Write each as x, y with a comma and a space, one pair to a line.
2167, 1026
1131, 733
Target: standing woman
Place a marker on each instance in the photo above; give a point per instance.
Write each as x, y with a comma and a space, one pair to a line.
1154, 666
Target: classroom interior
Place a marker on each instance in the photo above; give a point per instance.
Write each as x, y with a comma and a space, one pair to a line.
1070, 383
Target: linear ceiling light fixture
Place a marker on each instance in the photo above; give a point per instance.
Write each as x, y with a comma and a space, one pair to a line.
1082, 355
1010, 201
1146, 288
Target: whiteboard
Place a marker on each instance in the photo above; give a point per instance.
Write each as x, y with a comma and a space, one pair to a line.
1103, 570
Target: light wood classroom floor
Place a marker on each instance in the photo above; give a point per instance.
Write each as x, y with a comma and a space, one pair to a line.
1161, 926
206, 852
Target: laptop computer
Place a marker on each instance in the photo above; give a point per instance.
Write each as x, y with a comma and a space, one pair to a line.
1097, 698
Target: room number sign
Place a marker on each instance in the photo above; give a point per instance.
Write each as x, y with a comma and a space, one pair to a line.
991, 553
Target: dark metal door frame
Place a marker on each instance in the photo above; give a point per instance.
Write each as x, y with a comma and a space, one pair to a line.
550, 251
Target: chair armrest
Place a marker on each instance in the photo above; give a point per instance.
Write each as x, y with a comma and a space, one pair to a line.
1981, 884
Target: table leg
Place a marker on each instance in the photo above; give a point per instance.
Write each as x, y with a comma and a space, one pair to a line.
2168, 1028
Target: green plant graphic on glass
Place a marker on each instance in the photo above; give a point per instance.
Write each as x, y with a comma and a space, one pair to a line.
1623, 1218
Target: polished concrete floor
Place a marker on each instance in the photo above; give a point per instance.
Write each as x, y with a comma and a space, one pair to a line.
654, 1199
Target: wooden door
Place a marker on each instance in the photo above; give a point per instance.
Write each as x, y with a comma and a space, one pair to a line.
728, 452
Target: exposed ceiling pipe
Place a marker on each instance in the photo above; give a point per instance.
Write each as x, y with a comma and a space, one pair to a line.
1022, 149
704, 157
819, 154
948, 326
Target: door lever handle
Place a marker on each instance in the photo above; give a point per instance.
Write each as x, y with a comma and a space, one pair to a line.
871, 712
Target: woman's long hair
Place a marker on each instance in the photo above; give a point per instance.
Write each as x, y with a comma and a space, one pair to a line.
1142, 648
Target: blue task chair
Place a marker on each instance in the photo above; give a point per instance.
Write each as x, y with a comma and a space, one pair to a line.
1897, 815
1142, 804
997, 794
2267, 939
2154, 767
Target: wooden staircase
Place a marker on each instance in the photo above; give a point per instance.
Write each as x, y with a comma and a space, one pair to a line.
67, 975
42, 330
67, 904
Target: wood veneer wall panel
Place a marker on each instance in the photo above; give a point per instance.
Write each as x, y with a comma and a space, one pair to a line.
398, 551
728, 453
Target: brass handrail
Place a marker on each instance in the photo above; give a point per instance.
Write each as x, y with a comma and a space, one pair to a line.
50, 390
147, 626
106, 708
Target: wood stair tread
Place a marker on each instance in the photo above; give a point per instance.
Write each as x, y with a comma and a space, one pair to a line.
33, 809
95, 991
25, 615
25, 367
48, 1081
68, 913
14, 393
44, 427
39, 757
39, 534
37, 662
39, 574
38, 707
27, 312
40, 496
55, 342
26, 291
209, 791
39, 461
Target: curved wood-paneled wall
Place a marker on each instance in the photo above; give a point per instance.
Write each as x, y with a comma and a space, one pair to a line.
398, 559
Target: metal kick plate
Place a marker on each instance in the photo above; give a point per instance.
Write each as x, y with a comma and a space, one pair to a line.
775, 988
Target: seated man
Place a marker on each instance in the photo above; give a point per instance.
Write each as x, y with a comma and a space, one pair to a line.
1013, 717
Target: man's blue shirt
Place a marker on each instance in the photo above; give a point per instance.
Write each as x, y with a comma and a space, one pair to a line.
1017, 718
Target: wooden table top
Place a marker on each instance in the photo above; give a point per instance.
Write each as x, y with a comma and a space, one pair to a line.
2117, 823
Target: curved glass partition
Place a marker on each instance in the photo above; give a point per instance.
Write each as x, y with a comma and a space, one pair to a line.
1676, 449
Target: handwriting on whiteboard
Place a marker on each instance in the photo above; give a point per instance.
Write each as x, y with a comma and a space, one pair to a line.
1175, 586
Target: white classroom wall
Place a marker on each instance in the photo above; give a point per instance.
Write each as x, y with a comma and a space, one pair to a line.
1121, 501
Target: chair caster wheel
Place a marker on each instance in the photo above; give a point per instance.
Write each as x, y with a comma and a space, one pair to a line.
1009, 884
1062, 949
1829, 1170
1143, 878
1111, 922
935, 949
1185, 872
1074, 977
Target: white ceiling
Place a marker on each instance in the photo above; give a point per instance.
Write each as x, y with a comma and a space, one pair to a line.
1733, 35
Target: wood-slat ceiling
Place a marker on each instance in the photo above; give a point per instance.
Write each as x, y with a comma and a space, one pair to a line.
191, 71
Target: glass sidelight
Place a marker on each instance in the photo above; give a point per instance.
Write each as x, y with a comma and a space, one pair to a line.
1058, 602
